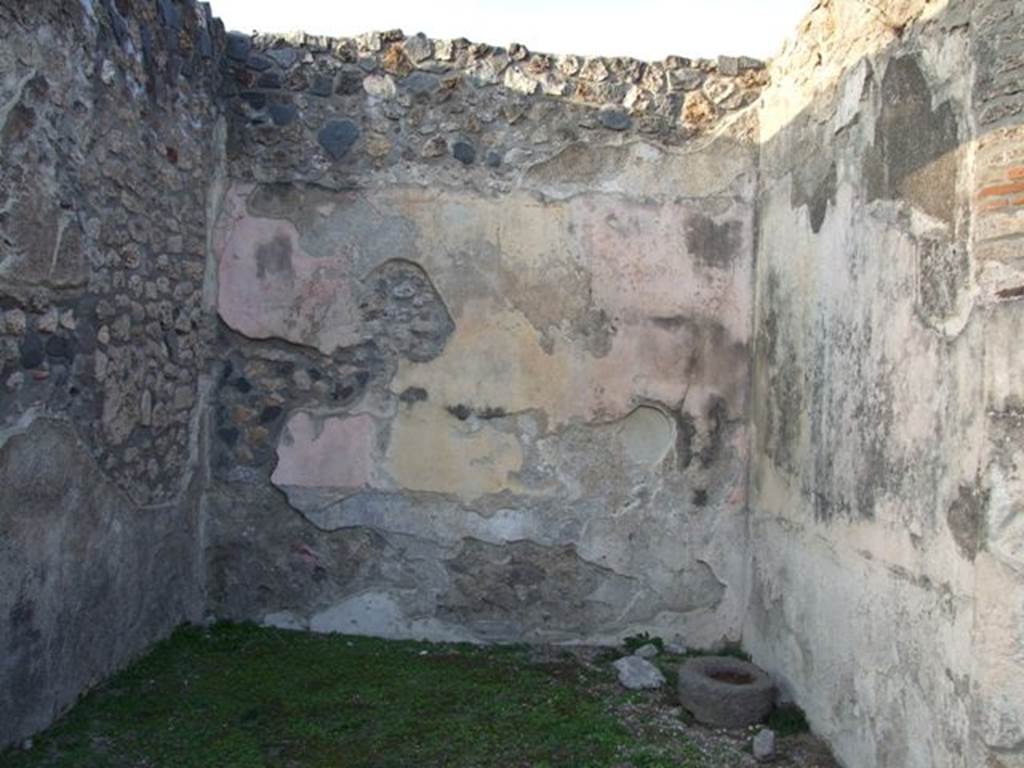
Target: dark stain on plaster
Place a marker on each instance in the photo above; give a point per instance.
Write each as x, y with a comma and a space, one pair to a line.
814, 186
711, 243
717, 417
274, 259
596, 330
914, 156
824, 195
275, 200
1016, 292
686, 435
854, 422
413, 395
943, 274
490, 412
20, 121
966, 517
713, 354
671, 322
462, 412
879, 469
779, 437
21, 622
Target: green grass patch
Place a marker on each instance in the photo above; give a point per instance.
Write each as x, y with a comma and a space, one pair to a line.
788, 720
633, 642
240, 696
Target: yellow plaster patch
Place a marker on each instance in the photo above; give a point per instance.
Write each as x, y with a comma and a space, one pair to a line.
494, 359
431, 450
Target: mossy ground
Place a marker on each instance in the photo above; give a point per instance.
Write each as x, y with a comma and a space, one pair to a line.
239, 695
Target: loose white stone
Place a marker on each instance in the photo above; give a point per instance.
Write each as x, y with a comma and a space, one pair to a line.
648, 651
638, 674
764, 745
718, 90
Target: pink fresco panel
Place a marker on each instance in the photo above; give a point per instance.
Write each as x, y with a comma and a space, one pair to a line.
269, 287
329, 452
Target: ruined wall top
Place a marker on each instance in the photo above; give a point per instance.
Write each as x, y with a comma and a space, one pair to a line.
306, 107
836, 34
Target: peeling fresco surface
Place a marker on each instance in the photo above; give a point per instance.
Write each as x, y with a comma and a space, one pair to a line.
551, 386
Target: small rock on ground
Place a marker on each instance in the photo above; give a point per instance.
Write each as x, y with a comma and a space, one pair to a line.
636, 673
676, 646
648, 651
764, 745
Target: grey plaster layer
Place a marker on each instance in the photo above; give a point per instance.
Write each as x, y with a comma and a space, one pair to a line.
873, 594
87, 578
107, 116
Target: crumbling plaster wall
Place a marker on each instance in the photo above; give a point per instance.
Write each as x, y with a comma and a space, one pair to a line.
106, 141
885, 491
434, 339
485, 326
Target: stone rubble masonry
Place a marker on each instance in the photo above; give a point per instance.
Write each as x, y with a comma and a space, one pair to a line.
430, 338
314, 107
106, 150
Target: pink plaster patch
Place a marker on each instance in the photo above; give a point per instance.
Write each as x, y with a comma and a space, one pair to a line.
269, 287
642, 268
333, 452
682, 328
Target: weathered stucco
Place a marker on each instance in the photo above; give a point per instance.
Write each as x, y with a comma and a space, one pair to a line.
559, 385
107, 139
88, 579
872, 491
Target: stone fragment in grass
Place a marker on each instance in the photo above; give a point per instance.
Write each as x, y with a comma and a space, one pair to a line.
637, 674
764, 745
648, 651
